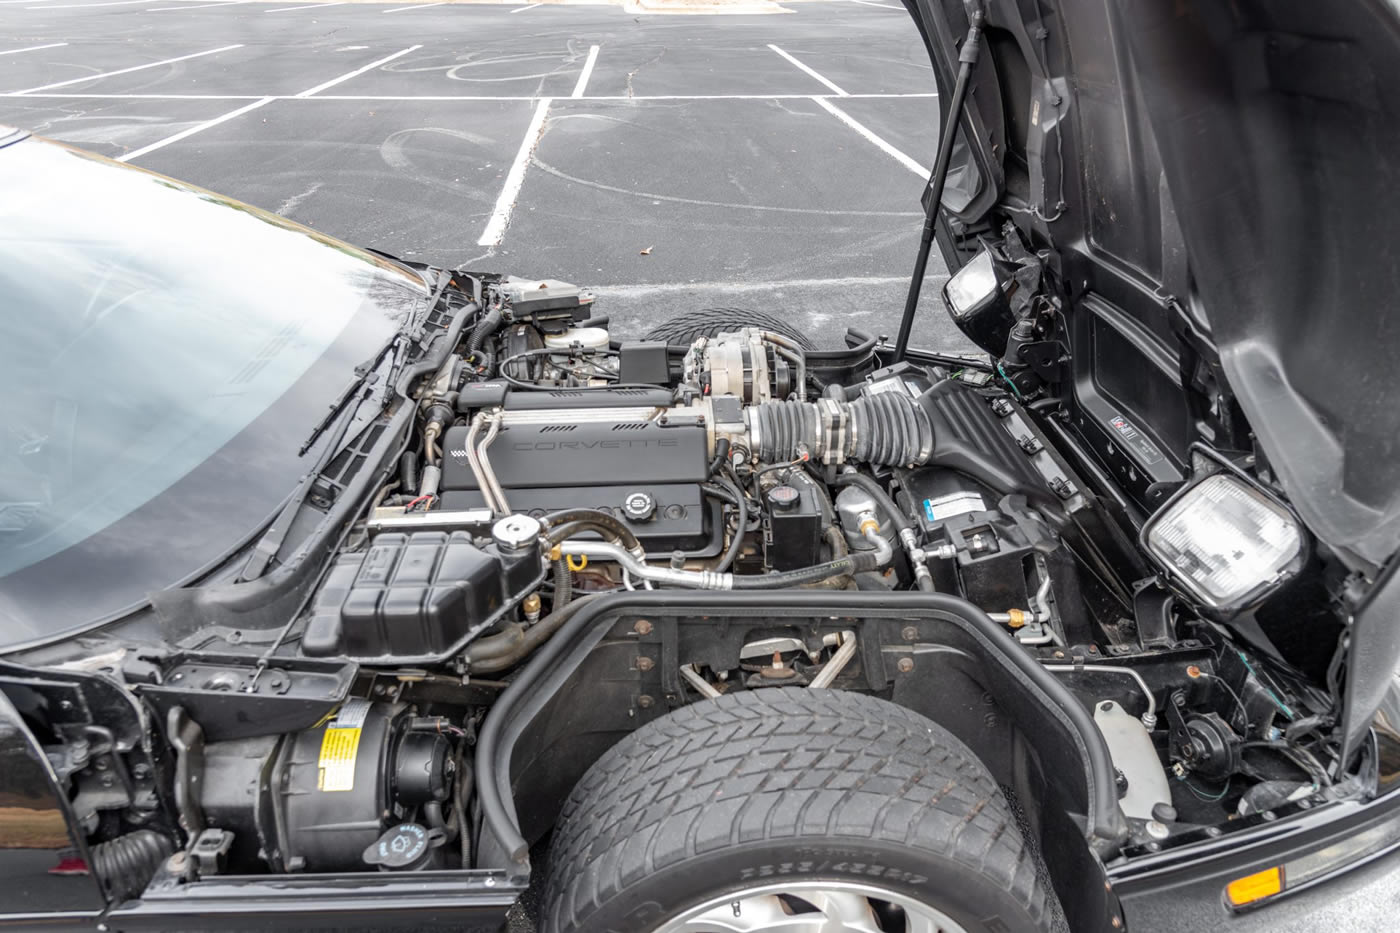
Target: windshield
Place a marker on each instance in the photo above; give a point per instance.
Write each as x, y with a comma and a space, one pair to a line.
164, 352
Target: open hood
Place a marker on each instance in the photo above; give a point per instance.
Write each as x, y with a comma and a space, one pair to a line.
1215, 186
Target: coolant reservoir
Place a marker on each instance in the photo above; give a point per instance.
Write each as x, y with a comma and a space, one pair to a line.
1130, 746
590, 338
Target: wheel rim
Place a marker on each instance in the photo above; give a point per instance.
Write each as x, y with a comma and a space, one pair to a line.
812, 907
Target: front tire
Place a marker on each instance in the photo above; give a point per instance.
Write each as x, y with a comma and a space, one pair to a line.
688, 326
791, 805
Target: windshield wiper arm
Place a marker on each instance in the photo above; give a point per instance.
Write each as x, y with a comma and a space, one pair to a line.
362, 373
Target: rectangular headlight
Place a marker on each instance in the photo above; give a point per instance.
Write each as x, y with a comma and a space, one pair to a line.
973, 285
1225, 542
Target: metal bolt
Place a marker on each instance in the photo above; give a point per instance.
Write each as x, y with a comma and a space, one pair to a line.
1117, 922
1157, 829
1269, 816
490, 882
1106, 707
1213, 831
645, 701
645, 663
642, 627
1059, 654
177, 862
910, 633
905, 665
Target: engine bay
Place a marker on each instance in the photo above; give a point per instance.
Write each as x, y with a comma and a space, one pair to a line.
549, 465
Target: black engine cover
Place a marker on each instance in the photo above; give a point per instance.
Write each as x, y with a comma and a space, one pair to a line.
565, 459
583, 453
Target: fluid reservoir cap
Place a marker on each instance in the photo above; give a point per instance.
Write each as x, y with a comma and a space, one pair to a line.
516, 532
593, 338
639, 506
404, 846
783, 497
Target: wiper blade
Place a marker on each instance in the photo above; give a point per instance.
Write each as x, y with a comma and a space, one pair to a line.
362, 373
395, 344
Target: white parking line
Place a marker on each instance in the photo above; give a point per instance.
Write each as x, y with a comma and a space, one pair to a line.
307, 6
421, 6
482, 97
522, 9
122, 71
883, 6
196, 6
830, 84
74, 6
198, 128
260, 102
357, 72
51, 45
587, 72
860, 128
500, 217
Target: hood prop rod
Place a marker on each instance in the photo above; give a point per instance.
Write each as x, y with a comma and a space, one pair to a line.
967, 58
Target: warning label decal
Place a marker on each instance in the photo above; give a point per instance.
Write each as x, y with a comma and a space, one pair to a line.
339, 746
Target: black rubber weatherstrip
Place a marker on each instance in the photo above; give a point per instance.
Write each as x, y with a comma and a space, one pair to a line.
551, 667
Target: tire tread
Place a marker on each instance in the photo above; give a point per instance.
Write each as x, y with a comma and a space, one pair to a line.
685, 327
781, 764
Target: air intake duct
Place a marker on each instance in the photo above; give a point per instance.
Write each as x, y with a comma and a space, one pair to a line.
886, 428
883, 429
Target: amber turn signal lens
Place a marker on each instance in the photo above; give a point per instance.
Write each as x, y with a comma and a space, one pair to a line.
1254, 887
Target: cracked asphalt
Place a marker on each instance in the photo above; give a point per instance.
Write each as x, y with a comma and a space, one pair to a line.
687, 163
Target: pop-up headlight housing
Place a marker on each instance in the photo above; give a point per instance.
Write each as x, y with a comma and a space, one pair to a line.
978, 299
1226, 543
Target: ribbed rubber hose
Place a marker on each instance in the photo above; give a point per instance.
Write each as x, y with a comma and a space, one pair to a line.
127, 864
563, 585
484, 328
887, 429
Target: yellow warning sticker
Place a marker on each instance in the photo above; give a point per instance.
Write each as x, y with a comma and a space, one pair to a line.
337, 764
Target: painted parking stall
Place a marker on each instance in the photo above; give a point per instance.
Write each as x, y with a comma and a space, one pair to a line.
768, 159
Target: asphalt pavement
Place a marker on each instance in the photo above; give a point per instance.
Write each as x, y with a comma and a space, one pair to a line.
670, 162
770, 161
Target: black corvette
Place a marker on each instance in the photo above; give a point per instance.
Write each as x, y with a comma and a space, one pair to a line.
337, 591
